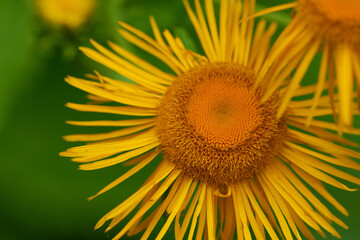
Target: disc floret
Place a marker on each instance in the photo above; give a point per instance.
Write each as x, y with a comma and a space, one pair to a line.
213, 126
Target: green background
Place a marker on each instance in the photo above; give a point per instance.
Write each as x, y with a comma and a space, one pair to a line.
43, 196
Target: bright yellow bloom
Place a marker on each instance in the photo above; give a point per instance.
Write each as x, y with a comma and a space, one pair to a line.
333, 28
227, 151
69, 13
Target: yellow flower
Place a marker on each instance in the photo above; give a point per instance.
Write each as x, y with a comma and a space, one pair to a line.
231, 163
69, 13
332, 27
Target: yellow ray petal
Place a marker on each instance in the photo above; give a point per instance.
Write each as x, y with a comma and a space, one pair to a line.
265, 205
189, 214
321, 82
323, 144
344, 75
162, 171
198, 210
249, 212
97, 57
327, 125
324, 134
300, 72
170, 208
201, 32
301, 226
175, 48
170, 57
141, 63
119, 159
283, 171
145, 159
240, 214
180, 196
285, 210
327, 168
125, 65
131, 111
161, 209
290, 33
271, 10
85, 86
294, 159
150, 49
109, 147
118, 123
259, 211
275, 207
299, 205
341, 162
160, 191
90, 158
210, 14
201, 225
109, 135
319, 187
224, 14
157, 33
230, 221
210, 214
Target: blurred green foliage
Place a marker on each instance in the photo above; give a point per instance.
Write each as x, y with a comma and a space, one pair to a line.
44, 196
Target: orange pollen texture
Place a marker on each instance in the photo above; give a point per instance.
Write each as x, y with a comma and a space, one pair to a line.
223, 112
334, 20
214, 128
339, 10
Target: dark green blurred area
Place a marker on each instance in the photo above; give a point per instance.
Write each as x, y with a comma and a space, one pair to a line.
44, 196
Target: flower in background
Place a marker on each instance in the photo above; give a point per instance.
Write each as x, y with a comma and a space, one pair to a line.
231, 160
332, 27
68, 13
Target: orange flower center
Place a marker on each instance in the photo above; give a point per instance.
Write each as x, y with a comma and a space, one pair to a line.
223, 112
214, 128
333, 20
338, 10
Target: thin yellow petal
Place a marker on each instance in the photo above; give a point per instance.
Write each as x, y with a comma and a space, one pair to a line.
108, 135
189, 214
118, 123
319, 187
140, 62
341, 162
131, 111
198, 210
249, 213
180, 196
284, 171
344, 73
274, 205
150, 49
271, 10
259, 211
145, 159
90, 88
161, 209
210, 214
321, 82
119, 159
210, 14
300, 72
162, 171
294, 159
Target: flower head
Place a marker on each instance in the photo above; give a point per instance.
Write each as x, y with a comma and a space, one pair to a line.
229, 150
333, 28
68, 13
